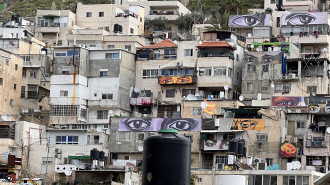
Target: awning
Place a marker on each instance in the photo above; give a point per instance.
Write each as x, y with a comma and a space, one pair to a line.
79, 157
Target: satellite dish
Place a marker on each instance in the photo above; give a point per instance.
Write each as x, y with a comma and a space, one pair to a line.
328, 130
226, 87
79, 164
136, 89
140, 148
241, 98
197, 94
272, 85
298, 165
203, 105
107, 132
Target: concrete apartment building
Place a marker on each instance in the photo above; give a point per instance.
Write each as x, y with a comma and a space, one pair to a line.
52, 26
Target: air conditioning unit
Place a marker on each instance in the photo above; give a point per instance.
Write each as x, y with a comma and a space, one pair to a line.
217, 122
220, 166
249, 160
292, 76
257, 160
178, 64
58, 151
231, 159
58, 156
261, 166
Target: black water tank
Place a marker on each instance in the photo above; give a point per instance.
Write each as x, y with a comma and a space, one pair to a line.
240, 148
101, 156
94, 154
233, 147
244, 151
166, 159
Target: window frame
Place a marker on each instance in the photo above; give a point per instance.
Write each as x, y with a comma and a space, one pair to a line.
102, 114
170, 93
89, 14
101, 14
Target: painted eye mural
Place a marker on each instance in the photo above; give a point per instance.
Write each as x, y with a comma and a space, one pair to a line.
305, 18
249, 20
179, 124
250, 59
314, 109
137, 124
288, 150
285, 101
295, 19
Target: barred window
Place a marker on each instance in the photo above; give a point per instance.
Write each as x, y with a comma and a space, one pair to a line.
64, 110
67, 140
150, 73
107, 96
220, 71
102, 114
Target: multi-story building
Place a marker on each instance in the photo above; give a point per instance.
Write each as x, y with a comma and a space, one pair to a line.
52, 26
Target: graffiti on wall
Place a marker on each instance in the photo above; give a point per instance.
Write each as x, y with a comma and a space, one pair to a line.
249, 20
285, 101
288, 150
175, 80
248, 124
305, 18
154, 124
216, 145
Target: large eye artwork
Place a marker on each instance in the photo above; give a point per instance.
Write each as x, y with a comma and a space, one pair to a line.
285, 101
179, 124
247, 20
138, 124
296, 19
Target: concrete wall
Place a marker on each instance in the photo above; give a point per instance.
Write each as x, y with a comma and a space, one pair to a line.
10, 76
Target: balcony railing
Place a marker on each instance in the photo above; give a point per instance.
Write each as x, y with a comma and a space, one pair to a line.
215, 53
316, 144
141, 101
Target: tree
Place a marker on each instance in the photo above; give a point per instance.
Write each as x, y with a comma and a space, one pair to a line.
157, 24
219, 22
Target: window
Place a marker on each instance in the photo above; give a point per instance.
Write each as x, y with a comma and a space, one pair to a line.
46, 160
300, 124
169, 72
96, 140
33, 91
22, 91
24, 72
111, 46
185, 92
102, 114
63, 93
126, 157
170, 53
188, 52
295, 180
15, 86
230, 72
89, 14
16, 67
269, 161
70, 52
67, 140
249, 86
131, 30
60, 53
311, 89
282, 88
64, 110
205, 71
170, 93
186, 72
140, 137
220, 71
103, 72
264, 89
196, 111
262, 180
107, 96
251, 68
128, 48
150, 73
33, 74
11, 102
261, 138
1, 81
273, 1
112, 55
26, 58
278, 21
7, 62
101, 14
265, 68
221, 159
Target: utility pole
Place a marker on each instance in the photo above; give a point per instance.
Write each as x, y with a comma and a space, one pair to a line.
47, 161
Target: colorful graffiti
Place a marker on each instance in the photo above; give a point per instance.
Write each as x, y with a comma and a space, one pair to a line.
285, 101
216, 145
305, 18
314, 109
154, 124
249, 20
208, 107
248, 124
288, 150
175, 80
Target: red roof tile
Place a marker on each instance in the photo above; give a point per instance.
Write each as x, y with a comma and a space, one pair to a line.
214, 44
163, 44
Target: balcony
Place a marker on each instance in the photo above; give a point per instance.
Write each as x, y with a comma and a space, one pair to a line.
144, 101
316, 144
49, 29
102, 103
214, 145
288, 77
310, 37
215, 53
